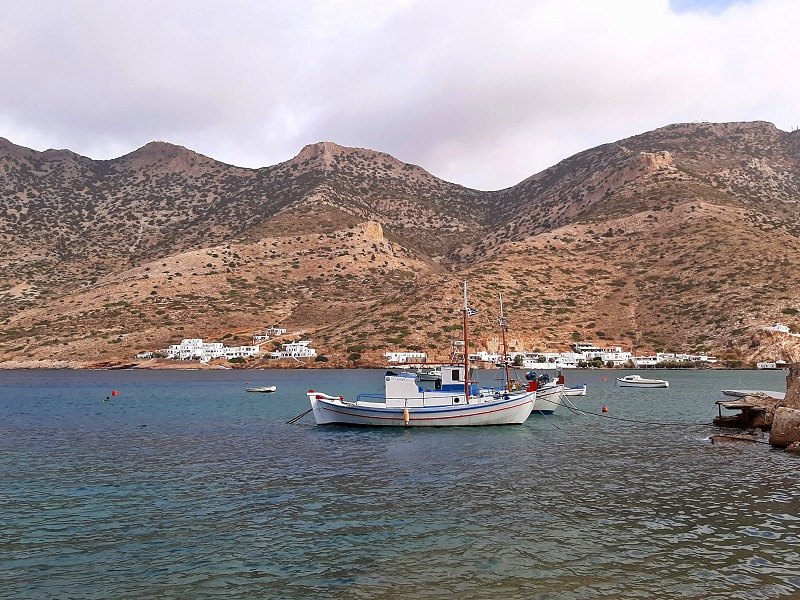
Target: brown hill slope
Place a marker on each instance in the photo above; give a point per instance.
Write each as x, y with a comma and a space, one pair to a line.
683, 238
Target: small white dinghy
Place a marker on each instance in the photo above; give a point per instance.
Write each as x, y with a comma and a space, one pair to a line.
641, 382
575, 390
263, 390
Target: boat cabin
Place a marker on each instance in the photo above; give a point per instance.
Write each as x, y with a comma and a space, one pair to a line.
446, 387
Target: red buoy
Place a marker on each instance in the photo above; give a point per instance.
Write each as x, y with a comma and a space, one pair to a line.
605, 408
114, 392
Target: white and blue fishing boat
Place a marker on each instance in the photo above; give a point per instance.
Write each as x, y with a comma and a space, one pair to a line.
641, 382
450, 399
548, 393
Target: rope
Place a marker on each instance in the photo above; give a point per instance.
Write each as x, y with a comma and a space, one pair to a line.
575, 409
295, 419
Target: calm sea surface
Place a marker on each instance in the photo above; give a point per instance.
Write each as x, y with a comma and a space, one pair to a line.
186, 486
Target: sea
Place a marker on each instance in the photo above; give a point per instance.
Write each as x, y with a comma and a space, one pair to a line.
180, 484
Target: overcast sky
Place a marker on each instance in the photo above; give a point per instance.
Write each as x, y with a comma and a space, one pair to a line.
480, 93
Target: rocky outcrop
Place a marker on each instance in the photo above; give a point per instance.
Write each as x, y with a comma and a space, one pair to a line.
785, 430
792, 399
785, 427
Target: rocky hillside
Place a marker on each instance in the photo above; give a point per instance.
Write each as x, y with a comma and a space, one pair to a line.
682, 238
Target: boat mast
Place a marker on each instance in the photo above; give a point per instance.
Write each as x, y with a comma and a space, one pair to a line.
503, 328
466, 346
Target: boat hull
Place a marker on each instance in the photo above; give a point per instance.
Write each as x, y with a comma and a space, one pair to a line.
329, 410
548, 399
575, 391
654, 383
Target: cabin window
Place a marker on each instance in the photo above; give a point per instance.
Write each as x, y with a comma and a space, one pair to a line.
456, 375
455, 399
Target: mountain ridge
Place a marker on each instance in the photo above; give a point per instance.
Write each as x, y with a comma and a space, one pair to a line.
598, 246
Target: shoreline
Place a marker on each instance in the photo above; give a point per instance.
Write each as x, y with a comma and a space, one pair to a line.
166, 365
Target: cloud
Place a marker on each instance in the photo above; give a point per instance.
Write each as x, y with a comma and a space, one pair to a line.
477, 95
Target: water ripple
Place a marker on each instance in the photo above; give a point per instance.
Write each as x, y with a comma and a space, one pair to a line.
176, 493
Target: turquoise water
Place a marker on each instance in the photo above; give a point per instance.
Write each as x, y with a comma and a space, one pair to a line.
186, 486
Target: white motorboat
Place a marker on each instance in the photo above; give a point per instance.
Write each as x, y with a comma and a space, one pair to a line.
575, 390
447, 398
641, 382
263, 390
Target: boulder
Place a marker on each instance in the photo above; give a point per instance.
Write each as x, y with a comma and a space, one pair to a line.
785, 427
792, 399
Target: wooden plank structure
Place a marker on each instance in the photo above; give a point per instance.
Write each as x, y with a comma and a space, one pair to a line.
744, 419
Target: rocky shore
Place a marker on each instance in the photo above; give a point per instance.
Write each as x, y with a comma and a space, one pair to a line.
780, 417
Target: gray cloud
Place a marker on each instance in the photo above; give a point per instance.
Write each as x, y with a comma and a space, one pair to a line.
483, 96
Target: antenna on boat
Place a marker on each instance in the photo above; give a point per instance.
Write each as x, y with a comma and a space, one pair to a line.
504, 328
466, 345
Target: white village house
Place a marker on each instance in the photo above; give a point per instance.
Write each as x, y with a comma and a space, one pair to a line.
406, 357
197, 349
299, 349
268, 333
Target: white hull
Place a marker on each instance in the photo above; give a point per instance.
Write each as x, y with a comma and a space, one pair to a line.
575, 391
547, 399
332, 410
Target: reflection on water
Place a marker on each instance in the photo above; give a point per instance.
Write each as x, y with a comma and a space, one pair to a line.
186, 486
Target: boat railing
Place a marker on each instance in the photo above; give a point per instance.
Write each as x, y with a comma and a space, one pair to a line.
364, 396
406, 399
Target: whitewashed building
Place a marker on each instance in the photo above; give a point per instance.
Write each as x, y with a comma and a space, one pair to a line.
300, 349
779, 328
241, 351
406, 357
644, 361
196, 349
268, 333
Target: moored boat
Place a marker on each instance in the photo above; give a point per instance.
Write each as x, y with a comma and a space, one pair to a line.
575, 390
641, 382
263, 390
548, 398
411, 402
433, 399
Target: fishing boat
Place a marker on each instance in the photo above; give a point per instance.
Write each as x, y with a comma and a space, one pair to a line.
449, 398
263, 390
641, 382
548, 393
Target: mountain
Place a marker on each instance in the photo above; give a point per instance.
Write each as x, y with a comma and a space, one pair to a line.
684, 238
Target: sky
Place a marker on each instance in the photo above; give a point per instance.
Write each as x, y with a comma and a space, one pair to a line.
480, 93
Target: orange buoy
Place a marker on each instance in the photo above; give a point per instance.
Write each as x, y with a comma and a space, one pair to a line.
604, 409
114, 392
